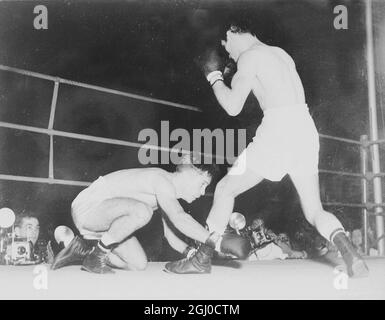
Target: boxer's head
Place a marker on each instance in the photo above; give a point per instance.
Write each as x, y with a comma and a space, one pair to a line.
193, 178
237, 39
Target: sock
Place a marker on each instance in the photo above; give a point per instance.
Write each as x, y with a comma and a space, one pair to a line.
214, 227
218, 244
213, 240
335, 232
103, 248
327, 225
106, 243
217, 236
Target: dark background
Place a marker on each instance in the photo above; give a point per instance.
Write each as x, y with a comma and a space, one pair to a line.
148, 48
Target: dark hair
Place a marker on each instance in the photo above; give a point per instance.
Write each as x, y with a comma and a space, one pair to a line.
239, 25
193, 160
235, 28
24, 215
212, 169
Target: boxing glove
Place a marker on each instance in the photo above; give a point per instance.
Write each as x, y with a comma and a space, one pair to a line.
211, 65
229, 70
236, 245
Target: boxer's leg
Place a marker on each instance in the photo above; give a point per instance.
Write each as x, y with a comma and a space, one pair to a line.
128, 255
225, 193
118, 218
326, 223
307, 187
261, 159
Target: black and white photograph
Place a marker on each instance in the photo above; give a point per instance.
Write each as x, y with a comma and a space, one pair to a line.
192, 150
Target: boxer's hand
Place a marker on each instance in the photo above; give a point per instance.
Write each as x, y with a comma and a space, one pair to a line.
211, 65
211, 61
236, 245
230, 69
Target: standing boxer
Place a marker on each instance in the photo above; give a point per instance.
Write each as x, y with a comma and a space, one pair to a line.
286, 142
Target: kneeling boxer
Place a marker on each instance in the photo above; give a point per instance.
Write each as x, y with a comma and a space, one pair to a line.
114, 206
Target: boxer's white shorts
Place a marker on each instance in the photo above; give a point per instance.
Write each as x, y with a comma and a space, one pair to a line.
286, 142
84, 204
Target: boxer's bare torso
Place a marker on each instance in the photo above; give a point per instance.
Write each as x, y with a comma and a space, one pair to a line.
139, 184
267, 71
125, 191
276, 82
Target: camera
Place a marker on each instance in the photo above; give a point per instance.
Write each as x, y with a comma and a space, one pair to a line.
16, 251
259, 234
21, 251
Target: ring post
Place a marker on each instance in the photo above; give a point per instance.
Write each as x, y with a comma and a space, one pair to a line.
50, 127
374, 128
364, 189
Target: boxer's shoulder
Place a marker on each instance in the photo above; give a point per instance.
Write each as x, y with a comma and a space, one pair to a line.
255, 56
264, 53
162, 181
154, 178
133, 176
281, 54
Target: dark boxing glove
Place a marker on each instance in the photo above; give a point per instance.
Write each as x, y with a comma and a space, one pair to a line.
229, 70
212, 65
236, 245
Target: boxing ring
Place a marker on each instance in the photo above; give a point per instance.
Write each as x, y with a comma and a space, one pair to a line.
255, 280
258, 280
368, 206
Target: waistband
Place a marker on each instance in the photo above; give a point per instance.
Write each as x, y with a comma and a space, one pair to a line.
287, 108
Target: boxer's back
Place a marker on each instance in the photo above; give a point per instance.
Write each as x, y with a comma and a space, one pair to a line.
277, 81
138, 184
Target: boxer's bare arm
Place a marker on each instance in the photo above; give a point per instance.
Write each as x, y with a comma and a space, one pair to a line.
176, 243
232, 99
167, 200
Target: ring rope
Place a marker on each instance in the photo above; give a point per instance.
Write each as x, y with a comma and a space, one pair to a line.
368, 205
79, 136
44, 180
98, 88
342, 173
51, 132
50, 126
325, 136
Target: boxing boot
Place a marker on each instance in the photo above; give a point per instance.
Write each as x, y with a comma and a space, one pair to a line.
199, 262
356, 266
73, 254
96, 261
